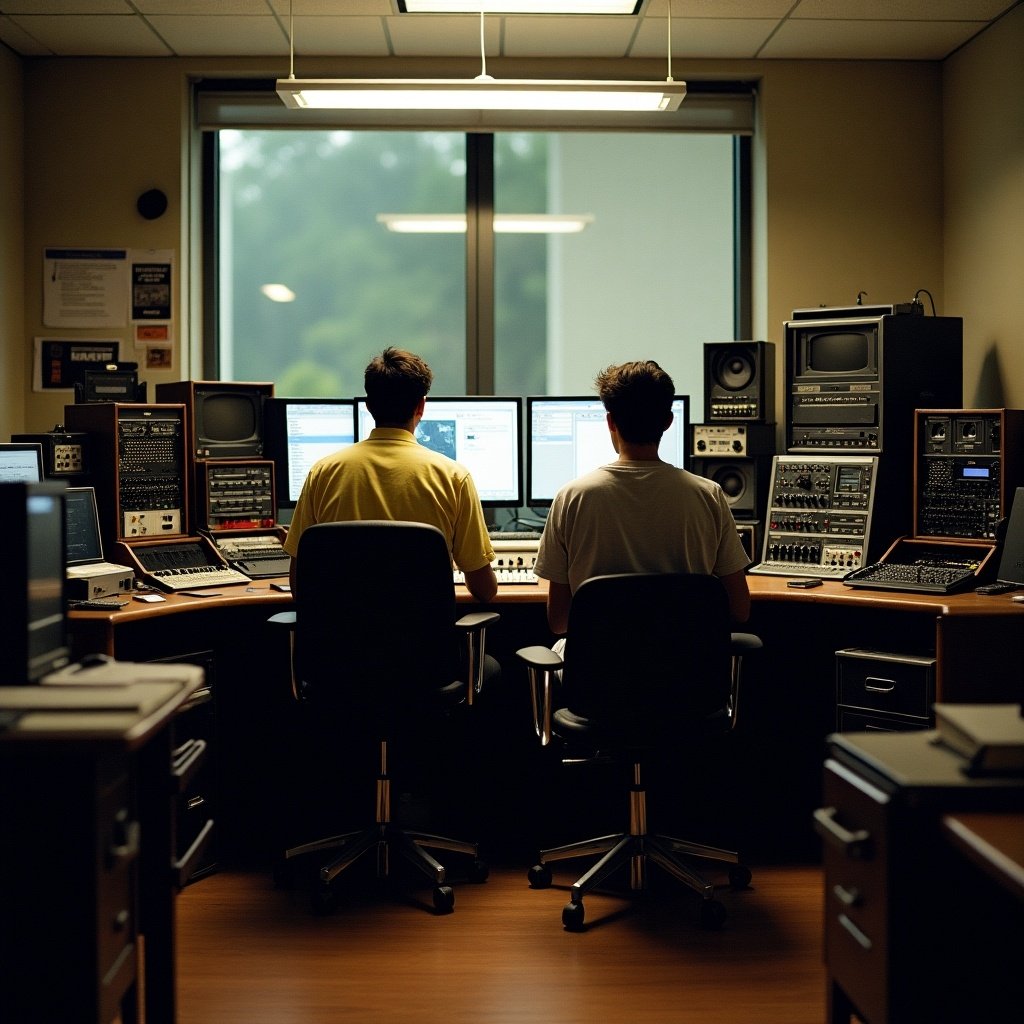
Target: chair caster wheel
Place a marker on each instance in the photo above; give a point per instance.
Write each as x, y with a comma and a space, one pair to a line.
444, 899
712, 915
478, 870
739, 877
539, 876
572, 917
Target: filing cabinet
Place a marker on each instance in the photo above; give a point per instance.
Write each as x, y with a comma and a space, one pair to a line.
909, 935
883, 690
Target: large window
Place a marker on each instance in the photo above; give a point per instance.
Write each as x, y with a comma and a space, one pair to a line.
311, 281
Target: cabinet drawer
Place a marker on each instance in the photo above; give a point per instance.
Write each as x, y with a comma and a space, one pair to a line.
856, 861
900, 684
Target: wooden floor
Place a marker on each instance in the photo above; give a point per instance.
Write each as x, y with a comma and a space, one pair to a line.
252, 954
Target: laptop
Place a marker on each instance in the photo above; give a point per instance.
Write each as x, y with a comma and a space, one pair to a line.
89, 574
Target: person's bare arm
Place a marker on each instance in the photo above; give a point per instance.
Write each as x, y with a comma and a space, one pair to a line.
738, 592
559, 599
482, 584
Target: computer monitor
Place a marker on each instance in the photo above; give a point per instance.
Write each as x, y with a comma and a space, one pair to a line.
568, 436
483, 432
298, 432
32, 599
21, 463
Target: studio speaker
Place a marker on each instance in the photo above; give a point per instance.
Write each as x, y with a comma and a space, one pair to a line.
743, 480
739, 381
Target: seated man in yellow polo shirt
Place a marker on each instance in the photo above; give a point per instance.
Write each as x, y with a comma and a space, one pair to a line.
389, 475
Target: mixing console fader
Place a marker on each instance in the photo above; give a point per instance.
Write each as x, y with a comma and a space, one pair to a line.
819, 515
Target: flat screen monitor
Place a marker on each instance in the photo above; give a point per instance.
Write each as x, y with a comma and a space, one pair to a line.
299, 432
21, 463
568, 436
32, 599
483, 432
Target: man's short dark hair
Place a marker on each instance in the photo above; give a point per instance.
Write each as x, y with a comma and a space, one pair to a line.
395, 381
639, 397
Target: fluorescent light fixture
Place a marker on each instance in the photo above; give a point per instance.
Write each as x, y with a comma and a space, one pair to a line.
482, 93
504, 223
278, 292
519, 6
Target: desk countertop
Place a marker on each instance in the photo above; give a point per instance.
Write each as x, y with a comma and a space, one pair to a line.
762, 588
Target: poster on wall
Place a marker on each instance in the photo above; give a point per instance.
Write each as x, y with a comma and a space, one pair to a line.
85, 287
152, 289
59, 363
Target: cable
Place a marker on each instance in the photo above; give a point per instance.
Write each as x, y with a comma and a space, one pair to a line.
924, 291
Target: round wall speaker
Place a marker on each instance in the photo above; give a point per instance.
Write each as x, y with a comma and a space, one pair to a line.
152, 204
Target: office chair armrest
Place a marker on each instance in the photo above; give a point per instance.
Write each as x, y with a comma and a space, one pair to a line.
742, 643
541, 665
286, 620
474, 626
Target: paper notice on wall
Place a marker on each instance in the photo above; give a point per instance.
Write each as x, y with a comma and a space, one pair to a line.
85, 287
60, 363
152, 296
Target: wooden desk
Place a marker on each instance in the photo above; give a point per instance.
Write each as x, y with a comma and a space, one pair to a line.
995, 842
789, 690
86, 849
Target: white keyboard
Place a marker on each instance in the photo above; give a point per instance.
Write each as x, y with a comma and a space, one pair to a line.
195, 577
504, 576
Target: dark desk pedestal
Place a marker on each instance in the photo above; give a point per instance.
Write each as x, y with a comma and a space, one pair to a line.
86, 834
913, 930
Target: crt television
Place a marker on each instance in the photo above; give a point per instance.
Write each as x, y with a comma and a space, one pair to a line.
840, 351
32, 600
298, 432
483, 432
568, 436
225, 417
21, 462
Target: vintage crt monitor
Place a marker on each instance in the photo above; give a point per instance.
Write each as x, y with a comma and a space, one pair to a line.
854, 376
21, 462
297, 433
482, 432
224, 418
568, 436
32, 600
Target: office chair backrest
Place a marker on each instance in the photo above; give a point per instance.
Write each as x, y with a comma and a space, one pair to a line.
648, 654
376, 614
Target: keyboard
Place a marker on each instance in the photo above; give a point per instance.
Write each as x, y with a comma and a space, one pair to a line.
923, 575
196, 577
511, 577
257, 557
514, 535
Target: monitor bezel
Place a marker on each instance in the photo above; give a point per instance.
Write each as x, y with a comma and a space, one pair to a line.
26, 446
532, 500
275, 436
517, 407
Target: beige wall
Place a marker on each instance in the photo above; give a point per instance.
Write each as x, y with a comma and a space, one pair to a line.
12, 243
851, 199
983, 127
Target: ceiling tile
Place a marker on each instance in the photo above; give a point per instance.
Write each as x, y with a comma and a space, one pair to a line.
88, 35
212, 35
867, 40
14, 36
578, 36
351, 37
703, 37
902, 10
425, 35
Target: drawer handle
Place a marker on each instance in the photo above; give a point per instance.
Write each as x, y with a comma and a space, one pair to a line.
848, 897
875, 684
859, 937
856, 844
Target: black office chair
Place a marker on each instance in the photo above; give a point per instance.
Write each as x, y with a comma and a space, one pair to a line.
650, 664
378, 652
